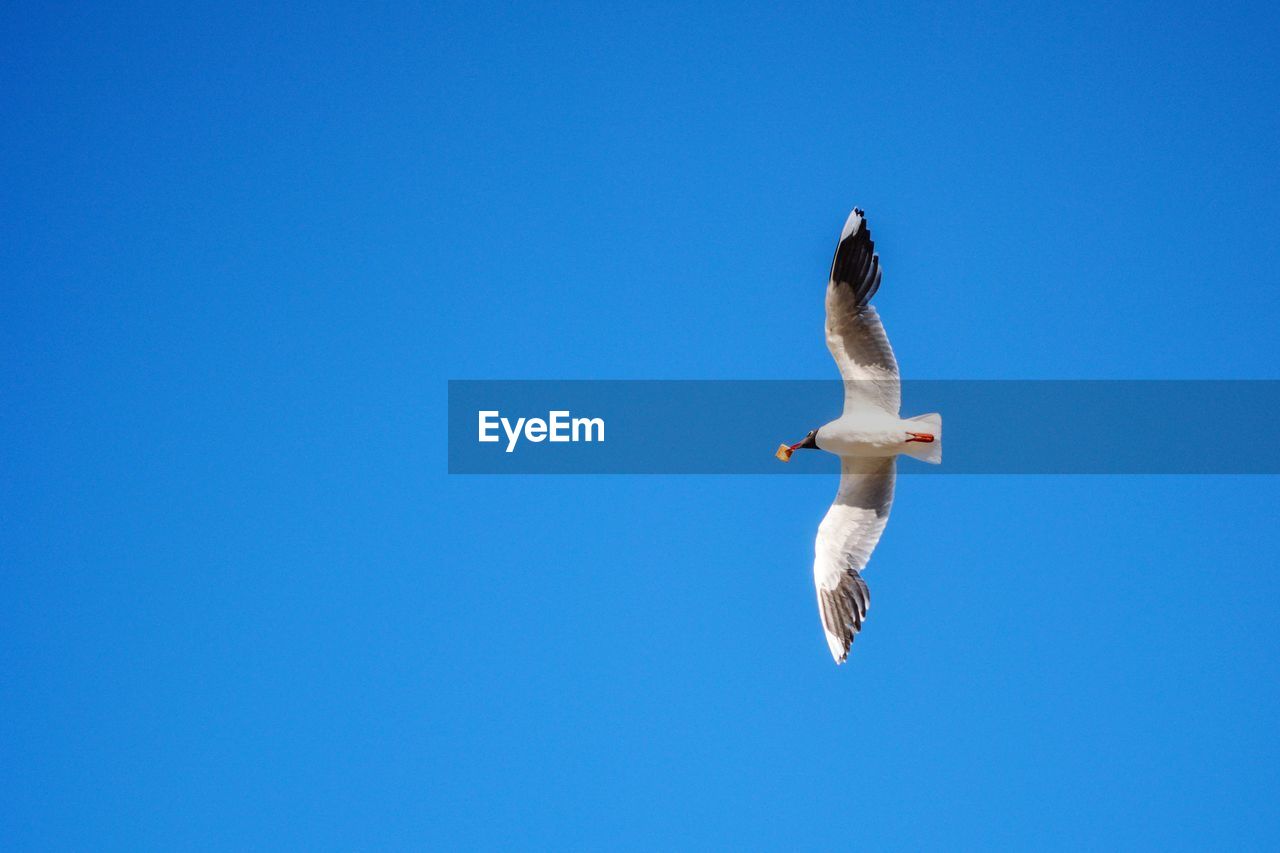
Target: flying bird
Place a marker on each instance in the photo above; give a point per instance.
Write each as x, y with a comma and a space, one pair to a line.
868, 437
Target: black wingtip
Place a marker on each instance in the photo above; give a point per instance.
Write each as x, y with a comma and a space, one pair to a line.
844, 611
855, 264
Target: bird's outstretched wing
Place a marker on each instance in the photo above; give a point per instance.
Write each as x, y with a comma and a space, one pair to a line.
848, 534
854, 334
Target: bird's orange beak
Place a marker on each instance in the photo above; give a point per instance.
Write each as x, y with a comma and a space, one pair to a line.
785, 450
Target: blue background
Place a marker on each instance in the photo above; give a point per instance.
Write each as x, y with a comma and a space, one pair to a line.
244, 604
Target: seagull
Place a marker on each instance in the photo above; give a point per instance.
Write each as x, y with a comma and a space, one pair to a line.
868, 437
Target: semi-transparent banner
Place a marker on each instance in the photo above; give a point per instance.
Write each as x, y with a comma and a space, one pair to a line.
989, 427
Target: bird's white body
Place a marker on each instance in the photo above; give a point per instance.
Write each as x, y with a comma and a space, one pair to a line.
869, 432
868, 437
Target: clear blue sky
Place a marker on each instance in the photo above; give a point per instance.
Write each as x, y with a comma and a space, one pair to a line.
245, 606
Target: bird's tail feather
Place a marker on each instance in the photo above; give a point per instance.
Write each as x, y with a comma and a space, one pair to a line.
930, 451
